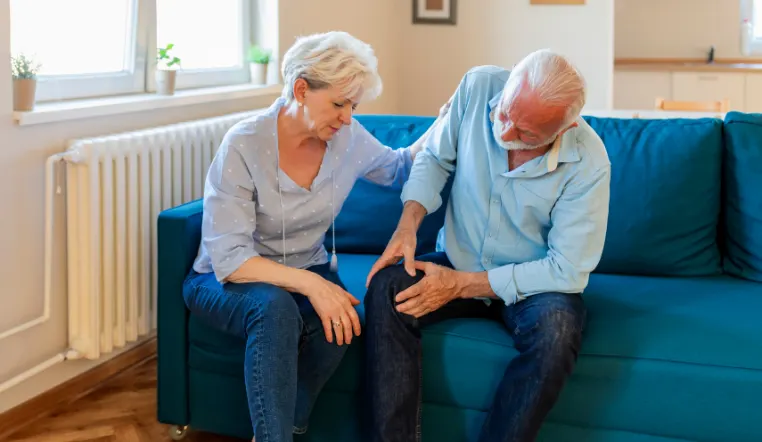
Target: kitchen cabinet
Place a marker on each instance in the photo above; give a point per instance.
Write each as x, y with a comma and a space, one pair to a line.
639, 90
754, 93
710, 86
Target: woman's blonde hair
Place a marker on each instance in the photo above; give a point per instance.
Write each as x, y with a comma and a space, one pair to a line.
333, 59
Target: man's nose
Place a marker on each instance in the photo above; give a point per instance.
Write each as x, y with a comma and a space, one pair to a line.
510, 134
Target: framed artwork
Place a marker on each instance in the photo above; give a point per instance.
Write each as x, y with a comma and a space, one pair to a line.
436, 12
557, 2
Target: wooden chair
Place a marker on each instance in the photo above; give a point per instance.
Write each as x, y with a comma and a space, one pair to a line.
722, 106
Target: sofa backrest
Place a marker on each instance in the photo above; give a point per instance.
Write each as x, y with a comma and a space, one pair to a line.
667, 196
741, 233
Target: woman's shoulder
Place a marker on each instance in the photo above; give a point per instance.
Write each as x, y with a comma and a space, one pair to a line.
252, 133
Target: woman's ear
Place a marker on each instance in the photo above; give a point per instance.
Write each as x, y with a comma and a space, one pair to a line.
300, 89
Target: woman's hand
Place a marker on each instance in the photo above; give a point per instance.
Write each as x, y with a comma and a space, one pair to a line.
445, 108
334, 306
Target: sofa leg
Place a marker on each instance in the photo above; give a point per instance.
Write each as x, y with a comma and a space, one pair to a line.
178, 432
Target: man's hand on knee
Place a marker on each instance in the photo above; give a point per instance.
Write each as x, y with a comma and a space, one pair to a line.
439, 286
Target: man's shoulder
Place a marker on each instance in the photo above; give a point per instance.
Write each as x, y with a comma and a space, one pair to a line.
487, 76
590, 146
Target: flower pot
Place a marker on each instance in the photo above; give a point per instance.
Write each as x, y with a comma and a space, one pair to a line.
165, 81
258, 73
24, 91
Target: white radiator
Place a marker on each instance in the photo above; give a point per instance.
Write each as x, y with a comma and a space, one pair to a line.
115, 188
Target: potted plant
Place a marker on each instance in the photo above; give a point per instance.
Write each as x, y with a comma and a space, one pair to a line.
259, 58
24, 72
166, 71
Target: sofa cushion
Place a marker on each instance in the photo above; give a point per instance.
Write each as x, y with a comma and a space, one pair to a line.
742, 205
370, 214
665, 195
653, 347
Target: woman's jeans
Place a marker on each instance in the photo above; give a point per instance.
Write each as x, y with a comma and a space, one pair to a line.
288, 359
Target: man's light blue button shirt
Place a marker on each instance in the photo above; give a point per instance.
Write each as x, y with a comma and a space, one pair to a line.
538, 228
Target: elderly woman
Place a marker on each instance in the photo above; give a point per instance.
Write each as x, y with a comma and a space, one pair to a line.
273, 189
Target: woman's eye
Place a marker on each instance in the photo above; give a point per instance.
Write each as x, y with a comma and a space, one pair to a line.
338, 105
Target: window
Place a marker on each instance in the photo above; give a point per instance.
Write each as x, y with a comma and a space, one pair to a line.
751, 10
91, 48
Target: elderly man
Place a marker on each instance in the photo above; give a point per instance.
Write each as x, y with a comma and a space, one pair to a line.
524, 228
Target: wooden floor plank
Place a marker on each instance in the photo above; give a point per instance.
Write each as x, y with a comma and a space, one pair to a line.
122, 409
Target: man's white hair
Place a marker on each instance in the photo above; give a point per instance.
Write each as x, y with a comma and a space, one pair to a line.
554, 78
333, 59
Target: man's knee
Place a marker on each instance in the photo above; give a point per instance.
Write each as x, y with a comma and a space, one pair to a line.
386, 284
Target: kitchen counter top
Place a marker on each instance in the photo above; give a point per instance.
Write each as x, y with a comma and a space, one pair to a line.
688, 65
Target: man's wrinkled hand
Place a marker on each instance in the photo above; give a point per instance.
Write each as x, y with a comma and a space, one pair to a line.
401, 246
439, 286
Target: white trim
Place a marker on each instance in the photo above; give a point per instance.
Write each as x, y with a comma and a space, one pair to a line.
73, 110
198, 78
49, 207
140, 66
37, 369
131, 80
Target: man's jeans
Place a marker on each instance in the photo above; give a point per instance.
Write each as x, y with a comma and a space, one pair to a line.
547, 332
287, 360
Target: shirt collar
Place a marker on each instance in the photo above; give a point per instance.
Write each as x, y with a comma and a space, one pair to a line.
564, 150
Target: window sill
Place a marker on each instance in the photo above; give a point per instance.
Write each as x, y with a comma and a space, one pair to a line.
99, 107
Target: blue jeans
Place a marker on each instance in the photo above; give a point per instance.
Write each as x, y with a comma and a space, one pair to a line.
547, 332
287, 360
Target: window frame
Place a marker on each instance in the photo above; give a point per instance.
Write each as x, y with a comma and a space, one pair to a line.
748, 11
139, 76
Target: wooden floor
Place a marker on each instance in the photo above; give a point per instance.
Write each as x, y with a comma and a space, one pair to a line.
123, 409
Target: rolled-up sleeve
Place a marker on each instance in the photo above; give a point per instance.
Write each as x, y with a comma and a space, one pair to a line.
385, 166
436, 161
575, 244
229, 210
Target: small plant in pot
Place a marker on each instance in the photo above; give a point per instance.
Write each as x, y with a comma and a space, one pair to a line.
166, 71
24, 72
259, 58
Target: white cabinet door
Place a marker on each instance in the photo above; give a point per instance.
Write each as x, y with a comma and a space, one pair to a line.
710, 86
639, 90
754, 93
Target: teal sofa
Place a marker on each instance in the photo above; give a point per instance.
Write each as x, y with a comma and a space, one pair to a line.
673, 347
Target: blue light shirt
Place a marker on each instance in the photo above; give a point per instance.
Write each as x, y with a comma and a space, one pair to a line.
243, 217
538, 228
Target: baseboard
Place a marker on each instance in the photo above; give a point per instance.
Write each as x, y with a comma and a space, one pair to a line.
63, 394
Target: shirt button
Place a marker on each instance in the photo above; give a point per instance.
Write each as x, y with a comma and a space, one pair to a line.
495, 201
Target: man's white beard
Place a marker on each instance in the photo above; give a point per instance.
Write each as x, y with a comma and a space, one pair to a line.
498, 127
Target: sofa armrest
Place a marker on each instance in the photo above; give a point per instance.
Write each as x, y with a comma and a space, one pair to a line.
179, 235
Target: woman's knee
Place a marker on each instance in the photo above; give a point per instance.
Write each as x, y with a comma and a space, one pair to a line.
274, 306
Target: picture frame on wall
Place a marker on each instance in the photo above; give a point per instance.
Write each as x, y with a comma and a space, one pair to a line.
434, 12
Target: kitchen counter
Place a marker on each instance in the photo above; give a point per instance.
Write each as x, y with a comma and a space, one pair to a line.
676, 65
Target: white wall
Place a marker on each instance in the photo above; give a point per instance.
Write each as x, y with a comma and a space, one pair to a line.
501, 32
376, 22
677, 28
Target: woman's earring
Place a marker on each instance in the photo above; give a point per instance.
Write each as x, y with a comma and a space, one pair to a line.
300, 103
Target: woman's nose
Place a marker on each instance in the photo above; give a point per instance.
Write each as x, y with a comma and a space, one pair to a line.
346, 115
